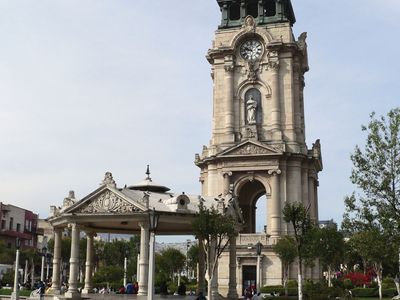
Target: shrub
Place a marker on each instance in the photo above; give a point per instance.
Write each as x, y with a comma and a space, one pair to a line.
292, 284
390, 293
358, 279
364, 292
278, 289
347, 284
388, 283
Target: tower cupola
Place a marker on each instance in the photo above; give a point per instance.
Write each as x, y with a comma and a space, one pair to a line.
234, 12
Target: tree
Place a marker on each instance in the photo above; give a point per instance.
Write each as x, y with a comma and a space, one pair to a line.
214, 230
193, 257
285, 248
376, 173
330, 243
297, 215
170, 261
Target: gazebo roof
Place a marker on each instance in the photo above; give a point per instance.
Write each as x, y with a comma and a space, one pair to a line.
122, 210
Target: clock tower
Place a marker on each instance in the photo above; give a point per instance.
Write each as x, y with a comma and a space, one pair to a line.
258, 144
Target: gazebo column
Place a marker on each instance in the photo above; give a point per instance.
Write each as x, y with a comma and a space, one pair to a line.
89, 263
232, 292
56, 285
144, 258
201, 283
73, 263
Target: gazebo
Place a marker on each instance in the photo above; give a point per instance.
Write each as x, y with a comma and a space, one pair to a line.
110, 209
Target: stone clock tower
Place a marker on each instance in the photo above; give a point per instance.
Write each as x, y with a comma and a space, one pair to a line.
258, 143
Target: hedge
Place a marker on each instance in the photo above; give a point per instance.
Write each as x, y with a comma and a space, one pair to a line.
23, 293
278, 289
364, 292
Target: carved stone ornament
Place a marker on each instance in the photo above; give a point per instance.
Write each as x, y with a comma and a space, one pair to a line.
252, 68
108, 180
109, 202
249, 24
250, 149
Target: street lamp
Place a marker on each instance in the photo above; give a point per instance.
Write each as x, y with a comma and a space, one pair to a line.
44, 254
187, 262
125, 265
259, 268
15, 293
153, 223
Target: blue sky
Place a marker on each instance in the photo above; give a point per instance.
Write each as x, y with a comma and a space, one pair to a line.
93, 86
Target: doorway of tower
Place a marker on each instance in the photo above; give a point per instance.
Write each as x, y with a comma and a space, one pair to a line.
249, 278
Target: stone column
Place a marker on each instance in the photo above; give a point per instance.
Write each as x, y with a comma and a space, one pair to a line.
240, 277
259, 279
89, 263
304, 186
73, 263
311, 194
56, 285
144, 258
232, 292
229, 68
275, 97
275, 206
201, 283
227, 181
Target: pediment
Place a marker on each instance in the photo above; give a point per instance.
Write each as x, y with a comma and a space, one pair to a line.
106, 201
250, 148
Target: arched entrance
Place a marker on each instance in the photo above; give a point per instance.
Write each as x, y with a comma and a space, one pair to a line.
253, 201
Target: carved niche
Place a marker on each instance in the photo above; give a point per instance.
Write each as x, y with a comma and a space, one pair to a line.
109, 202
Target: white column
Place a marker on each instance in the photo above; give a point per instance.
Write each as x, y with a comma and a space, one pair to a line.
275, 214
73, 263
232, 292
15, 293
88, 288
125, 267
144, 258
26, 271
42, 268
275, 97
56, 261
138, 267
150, 287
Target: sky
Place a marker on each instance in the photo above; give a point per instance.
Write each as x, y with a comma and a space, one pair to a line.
90, 86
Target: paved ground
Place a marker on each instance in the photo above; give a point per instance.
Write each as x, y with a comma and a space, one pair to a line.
136, 297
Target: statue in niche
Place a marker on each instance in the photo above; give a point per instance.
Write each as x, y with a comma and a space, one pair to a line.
251, 106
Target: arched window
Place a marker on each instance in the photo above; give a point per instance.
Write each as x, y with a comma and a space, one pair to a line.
252, 105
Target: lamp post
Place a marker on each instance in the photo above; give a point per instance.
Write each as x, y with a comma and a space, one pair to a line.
187, 262
259, 269
125, 265
153, 223
44, 253
15, 293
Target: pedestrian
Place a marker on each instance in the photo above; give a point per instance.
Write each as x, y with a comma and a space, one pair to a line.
201, 296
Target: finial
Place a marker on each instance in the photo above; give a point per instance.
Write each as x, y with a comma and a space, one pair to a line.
148, 173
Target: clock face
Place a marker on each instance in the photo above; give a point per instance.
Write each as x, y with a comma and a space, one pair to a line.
251, 49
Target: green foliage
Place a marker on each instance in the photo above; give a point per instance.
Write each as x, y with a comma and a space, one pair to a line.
113, 274
269, 289
347, 283
193, 256
7, 255
330, 247
8, 277
364, 292
285, 248
170, 261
